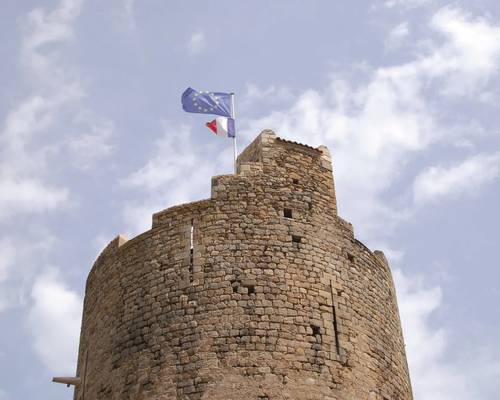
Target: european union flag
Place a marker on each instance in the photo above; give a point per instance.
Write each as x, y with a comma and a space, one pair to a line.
206, 102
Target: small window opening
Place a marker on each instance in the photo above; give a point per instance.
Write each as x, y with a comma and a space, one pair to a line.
350, 257
251, 289
287, 213
265, 397
309, 205
315, 330
296, 239
295, 181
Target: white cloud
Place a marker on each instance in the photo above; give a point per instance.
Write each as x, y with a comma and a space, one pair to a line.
397, 36
54, 321
47, 27
470, 54
438, 182
29, 196
197, 43
371, 129
32, 116
128, 13
434, 376
138, 215
21, 259
268, 95
23, 164
375, 128
93, 140
173, 158
7, 259
405, 3
179, 171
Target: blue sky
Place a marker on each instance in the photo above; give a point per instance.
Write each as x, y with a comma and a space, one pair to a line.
93, 141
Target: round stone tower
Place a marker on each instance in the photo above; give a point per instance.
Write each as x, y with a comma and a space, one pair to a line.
259, 293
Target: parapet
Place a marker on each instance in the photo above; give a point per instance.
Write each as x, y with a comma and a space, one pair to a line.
270, 160
264, 149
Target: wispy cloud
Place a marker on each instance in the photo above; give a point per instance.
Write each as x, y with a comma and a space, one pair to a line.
434, 376
48, 27
23, 166
197, 43
29, 145
271, 95
129, 13
9, 255
23, 169
376, 127
92, 141
54, 321
397, 36
23, 257
178, 171
470, 54
405, 3
440, 182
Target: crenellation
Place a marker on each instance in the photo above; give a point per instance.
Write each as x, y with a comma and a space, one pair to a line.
260, 292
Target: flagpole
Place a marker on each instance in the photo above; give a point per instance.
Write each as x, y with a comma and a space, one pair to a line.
233, 115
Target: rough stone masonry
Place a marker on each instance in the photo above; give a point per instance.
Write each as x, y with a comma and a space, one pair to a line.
261, 292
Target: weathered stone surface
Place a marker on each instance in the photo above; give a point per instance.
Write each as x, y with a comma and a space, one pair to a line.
258, 306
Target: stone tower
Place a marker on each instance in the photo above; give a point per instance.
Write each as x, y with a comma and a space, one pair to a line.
259, 293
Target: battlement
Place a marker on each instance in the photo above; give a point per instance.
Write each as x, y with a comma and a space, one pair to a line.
270, 160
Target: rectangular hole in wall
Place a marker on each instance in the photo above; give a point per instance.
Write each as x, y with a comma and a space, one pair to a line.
296, 239
350, 257
251, 289
315, 330
295, 181
335, 327
287, 213
191, 252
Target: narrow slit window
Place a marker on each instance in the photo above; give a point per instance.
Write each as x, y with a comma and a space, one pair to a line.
191, 235
191, 252
287, 213
335, 327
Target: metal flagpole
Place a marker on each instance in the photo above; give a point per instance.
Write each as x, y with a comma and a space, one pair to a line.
233, 115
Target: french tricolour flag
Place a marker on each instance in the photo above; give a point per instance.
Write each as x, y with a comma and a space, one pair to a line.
222, 126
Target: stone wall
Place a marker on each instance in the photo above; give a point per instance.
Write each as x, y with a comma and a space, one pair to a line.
260, 292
